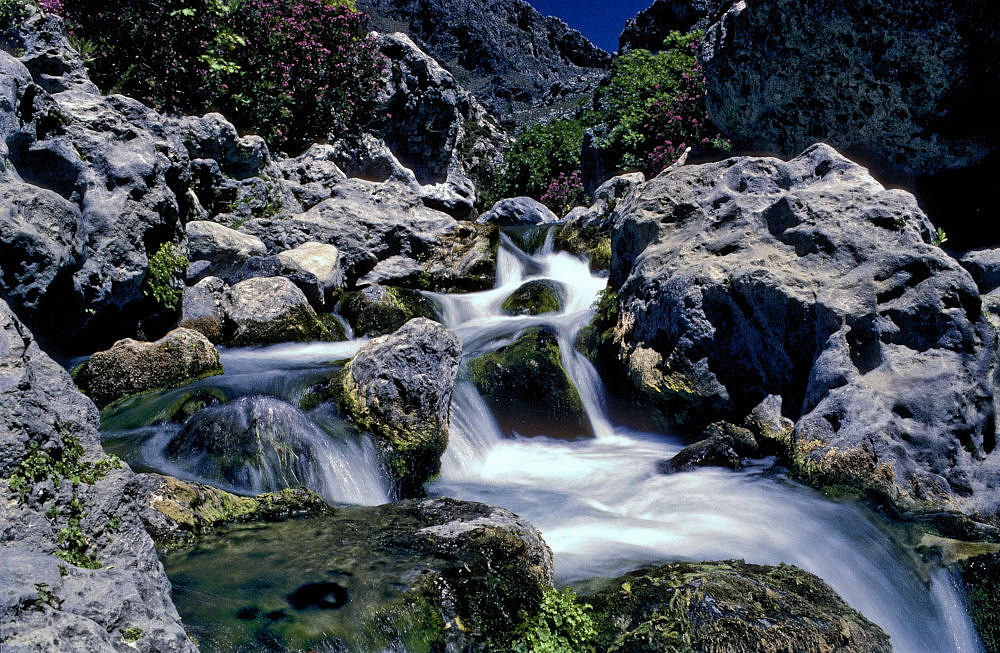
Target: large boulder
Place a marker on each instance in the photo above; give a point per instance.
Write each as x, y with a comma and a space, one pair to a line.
93, 186
518, 211
399, 387
378, 310
808, 280
906, 86
202, 308
131, 367
728, 606
79, 571
267, 310
225, 249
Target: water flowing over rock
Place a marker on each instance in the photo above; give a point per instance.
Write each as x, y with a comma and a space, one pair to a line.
399, 388
907, 86
92, 186
132, 367
48, 602
807, 279
518, 63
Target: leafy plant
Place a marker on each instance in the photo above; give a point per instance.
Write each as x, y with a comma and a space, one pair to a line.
564, 192
561, 625
12, 14
163, 265
132, 635
939, 237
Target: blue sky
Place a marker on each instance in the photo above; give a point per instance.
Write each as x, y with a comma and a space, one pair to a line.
598, 20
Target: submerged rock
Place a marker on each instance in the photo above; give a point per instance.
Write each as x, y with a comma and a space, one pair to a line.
728, 606
399, 387
131, 367
807, 279
62, 591
528, 389
536, 297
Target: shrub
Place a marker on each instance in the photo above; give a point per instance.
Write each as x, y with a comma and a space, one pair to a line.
561, 625
12, 14
540, 153
564, 192
163, 265
654, 106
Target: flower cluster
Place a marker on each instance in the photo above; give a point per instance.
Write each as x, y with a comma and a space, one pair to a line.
564, 192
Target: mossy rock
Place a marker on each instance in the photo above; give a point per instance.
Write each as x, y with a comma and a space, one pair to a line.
728, 606
981, 577
536, 297
528, 388
724, 445
378, 310
590, 242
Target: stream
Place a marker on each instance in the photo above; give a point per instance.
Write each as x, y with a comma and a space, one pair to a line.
600, 502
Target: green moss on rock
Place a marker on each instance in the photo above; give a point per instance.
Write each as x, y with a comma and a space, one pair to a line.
536, 297
378, 310
528, 389
981, 577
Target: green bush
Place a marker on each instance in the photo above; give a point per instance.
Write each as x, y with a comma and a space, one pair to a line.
540, 153
561, 625
12, 13
163, 265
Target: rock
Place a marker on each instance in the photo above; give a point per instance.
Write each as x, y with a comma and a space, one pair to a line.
311, 175
652, 25
398, 387
536, 297
427, 575
132, 367
529, 391
982, 596
725, 445
517, 211
378, 310
371, 223
321, 261
269, 310
984, 266
213, 137
48, 601
202, 308
257, 267
75, 255
773, 431
808, 280
226, 249
521, 65
367, 157
728, 606
441, 132
880, 81
587, 231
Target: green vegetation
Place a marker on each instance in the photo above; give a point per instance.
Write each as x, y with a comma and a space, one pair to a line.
132, 635
561, 625
939, 237
12, 13
163, 265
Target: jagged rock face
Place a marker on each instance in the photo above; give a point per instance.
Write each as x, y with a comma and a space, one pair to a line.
908, 87
48, 603
132, 367
809, 280
516, 61
399, 388
91, 187
648, 29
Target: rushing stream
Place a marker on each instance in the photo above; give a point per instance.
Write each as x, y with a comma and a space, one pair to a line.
599, 502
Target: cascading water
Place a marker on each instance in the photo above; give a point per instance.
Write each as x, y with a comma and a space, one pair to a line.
604, 509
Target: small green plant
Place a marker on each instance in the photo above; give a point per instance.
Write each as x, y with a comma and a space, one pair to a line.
12, 14
132, 635
163, 265
561, 625
939, 238
47, 597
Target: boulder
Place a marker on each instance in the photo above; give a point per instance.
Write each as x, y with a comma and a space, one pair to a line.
905, 86
528, 389
320, 260
201, 308
586, 231
131, 367
398, 387
808, 280
311, 175
415, 575
268, 310
536, 297
724, 445
93, 186
517, 211
984, 266
728, 606
378, 310
61, 592
224, 248
257, 267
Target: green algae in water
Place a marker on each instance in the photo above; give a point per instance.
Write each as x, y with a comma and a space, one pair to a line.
235, 589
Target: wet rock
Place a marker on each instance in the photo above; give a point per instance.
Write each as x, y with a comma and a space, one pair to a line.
536, 297
435, 574
528, 389
981, 577
725, 445
269, 310
47, 600
726, 606
378, 310
808, 280
517, 211
131, 367
224, 248
399, 387
586, 231
201, 308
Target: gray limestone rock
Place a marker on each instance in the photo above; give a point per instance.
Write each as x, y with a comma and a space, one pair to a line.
202, 308
517, 211
226, 249
267, 310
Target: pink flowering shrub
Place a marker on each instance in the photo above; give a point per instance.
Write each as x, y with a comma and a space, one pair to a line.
291, 70
564, 192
